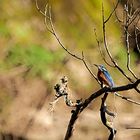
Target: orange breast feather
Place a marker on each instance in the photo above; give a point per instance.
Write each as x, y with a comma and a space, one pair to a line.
102, 78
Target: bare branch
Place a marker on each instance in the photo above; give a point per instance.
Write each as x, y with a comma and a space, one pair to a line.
126, 27
127, 99
130, 127
93, 75
91, 98
62, 87
58, 39
39, 10
106, 47
128, 18
136, 88
100, 49
118, 19
134, 16
136, 40
61, 90
113, 89
108, 124
112, 12
51, 29
131, 7
128, 52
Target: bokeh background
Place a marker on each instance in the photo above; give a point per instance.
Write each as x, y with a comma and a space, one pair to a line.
32, 62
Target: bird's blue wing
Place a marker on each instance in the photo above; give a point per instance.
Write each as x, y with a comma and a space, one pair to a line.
109, 78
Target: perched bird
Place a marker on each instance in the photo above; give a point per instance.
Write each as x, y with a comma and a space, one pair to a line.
104, 76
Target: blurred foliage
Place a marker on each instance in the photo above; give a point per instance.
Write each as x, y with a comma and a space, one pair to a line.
24, 39
26, 43
39, 59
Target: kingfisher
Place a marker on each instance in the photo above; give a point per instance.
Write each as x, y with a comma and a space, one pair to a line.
104, 77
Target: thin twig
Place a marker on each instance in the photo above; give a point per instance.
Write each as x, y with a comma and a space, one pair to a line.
136, 39
93, 75
118, 19
108, 124
80, 106
112, 12
134, 16
100, 49
131, 7
130, 127
91, 98
51, 29
39, 10
58, 39
126, 27
106, 47
62, 90
127, 99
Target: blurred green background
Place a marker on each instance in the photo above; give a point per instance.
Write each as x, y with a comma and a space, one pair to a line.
32, 61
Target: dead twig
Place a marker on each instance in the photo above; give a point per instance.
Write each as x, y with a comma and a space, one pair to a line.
108, 124
106, 45
105, 21
137, 31
100, 49
127, 99
79, 108
52, 30
61, 90
62, 87
127, 22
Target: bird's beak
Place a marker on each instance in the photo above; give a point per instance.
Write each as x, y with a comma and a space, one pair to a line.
96, 65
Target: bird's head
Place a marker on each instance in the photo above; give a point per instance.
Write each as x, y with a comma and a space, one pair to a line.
100, 67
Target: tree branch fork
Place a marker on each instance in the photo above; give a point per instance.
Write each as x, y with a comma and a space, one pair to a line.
62, 91
62, 88
108, 89
82, 105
